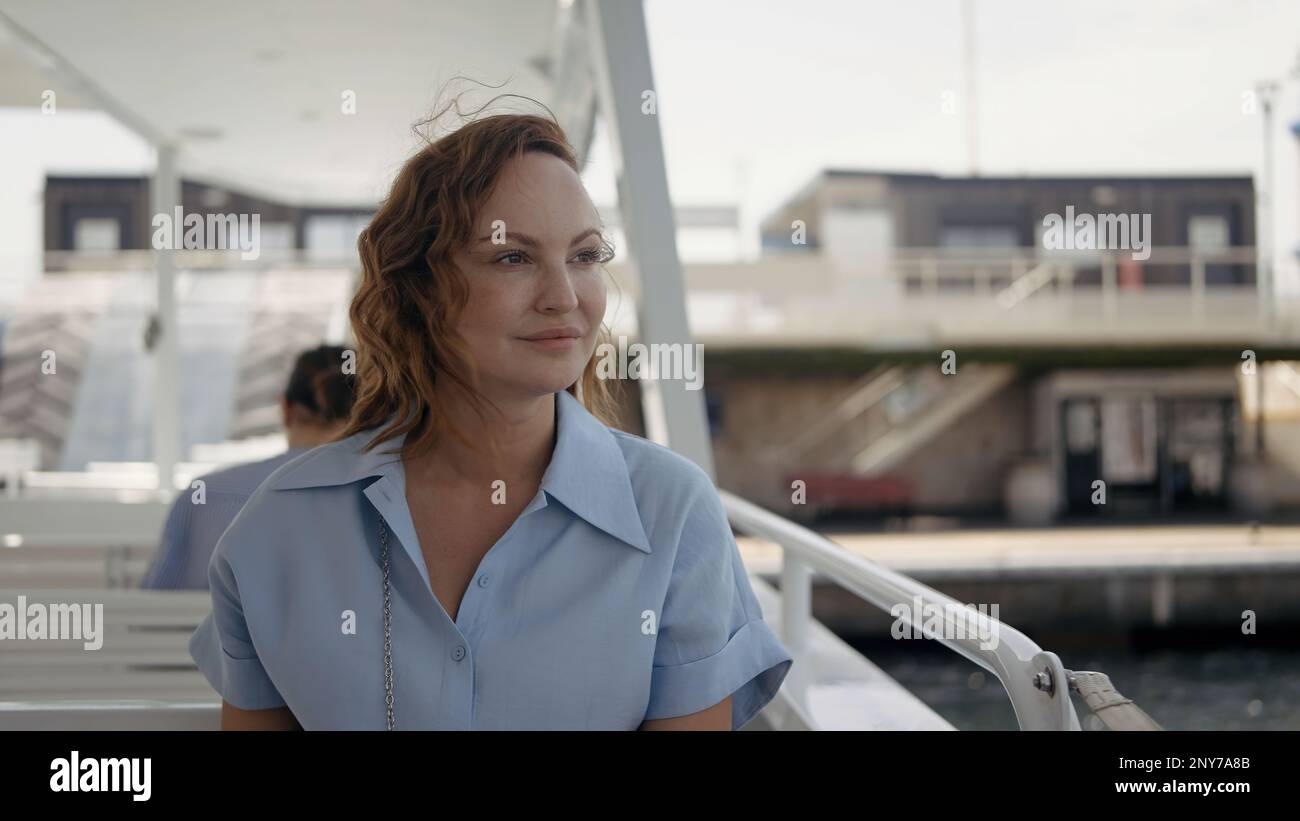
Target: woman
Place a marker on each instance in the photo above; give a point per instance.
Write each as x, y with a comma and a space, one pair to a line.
315, 408
480, 550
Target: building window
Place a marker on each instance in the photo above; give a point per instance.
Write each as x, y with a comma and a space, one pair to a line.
333, 237
97, 234
1207, 233
979, 236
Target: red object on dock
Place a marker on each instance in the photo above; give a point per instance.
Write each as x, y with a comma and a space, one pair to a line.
828, 491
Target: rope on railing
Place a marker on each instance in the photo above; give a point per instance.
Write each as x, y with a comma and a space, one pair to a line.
1107, 703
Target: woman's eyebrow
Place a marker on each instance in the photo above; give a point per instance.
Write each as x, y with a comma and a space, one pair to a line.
525, 239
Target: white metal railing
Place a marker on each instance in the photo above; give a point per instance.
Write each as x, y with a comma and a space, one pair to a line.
1034, 678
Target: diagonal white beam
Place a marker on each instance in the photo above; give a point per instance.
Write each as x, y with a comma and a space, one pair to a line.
64, 71
620, 51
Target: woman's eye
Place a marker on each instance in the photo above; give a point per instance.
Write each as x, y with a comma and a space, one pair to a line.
592, 256
513, 257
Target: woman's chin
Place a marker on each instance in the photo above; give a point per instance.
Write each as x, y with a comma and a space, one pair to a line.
542, 384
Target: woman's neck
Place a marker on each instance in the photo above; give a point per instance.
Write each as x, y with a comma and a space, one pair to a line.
525, 429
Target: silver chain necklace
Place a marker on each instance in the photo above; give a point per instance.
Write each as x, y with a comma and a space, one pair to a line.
388, 628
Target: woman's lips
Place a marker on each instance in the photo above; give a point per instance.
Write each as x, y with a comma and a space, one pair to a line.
555, 343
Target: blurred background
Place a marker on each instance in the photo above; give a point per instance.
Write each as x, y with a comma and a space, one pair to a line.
846, 203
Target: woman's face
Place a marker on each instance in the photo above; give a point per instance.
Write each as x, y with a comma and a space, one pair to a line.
533, 266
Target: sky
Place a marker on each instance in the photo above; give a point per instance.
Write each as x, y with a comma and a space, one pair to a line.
1061, 87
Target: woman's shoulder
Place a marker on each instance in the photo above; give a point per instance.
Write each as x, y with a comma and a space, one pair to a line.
659, 471
677, 500
280, 509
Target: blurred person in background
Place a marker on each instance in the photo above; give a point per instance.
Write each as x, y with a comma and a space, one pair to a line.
316, 405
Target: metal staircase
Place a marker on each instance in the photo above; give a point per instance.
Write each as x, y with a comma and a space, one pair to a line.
887, 416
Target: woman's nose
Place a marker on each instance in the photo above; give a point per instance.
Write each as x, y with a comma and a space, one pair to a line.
557, 291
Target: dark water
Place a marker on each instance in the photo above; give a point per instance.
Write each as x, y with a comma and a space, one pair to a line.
1181, 687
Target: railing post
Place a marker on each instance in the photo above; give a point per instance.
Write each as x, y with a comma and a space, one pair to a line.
1198, 284
796, 618
1110, 303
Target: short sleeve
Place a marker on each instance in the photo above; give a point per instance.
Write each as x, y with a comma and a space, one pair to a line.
712, 641
224, 650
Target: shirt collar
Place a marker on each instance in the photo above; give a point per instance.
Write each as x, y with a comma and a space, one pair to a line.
587, 472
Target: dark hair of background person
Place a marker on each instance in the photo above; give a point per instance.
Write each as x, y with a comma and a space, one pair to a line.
319, 384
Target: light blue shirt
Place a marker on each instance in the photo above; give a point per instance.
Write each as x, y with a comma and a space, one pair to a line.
195, 523
617, 596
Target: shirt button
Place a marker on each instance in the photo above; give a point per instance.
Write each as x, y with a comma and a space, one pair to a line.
459, 652
483, 580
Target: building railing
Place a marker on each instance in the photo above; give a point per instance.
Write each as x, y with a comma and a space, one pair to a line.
905, 297
1014, 276
1034, 679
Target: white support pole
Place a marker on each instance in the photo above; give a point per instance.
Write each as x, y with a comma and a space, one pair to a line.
164, 196
796, 619
626, 97
1264, 214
